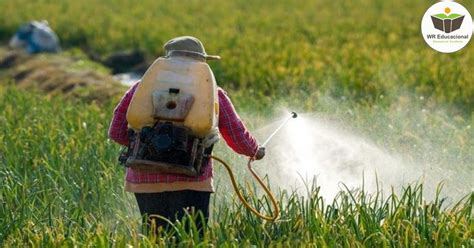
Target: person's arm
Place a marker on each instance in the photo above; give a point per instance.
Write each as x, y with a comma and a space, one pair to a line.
118, 130
233, 130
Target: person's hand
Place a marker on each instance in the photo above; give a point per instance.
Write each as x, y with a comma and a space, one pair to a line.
260, 153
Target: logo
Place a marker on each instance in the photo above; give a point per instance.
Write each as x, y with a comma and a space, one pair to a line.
447, 23
447, 27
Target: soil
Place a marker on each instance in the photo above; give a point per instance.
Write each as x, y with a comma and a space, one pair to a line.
69, 75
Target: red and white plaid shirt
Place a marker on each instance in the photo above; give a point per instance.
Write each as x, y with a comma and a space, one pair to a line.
231, 129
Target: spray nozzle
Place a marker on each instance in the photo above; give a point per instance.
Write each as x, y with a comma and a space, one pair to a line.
294, 114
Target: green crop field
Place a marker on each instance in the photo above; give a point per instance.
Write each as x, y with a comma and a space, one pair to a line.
360, 64
298, 50
61, 186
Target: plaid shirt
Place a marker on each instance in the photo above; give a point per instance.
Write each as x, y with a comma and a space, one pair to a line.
231, 129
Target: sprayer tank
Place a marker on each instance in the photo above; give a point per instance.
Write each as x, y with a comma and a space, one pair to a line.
190, 77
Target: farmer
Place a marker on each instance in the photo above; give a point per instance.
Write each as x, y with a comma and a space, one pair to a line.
171, 195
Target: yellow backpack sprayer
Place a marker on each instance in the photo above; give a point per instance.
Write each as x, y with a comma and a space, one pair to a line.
173, 119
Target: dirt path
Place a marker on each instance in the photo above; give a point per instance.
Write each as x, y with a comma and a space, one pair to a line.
71, 75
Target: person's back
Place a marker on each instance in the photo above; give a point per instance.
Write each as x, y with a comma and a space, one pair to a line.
169, 194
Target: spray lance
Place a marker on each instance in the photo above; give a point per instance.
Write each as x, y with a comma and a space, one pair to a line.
255, 175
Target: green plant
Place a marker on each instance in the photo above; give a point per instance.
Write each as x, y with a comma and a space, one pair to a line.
291, 50
62, 186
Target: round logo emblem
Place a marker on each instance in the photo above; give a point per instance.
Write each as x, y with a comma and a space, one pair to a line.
447, 27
